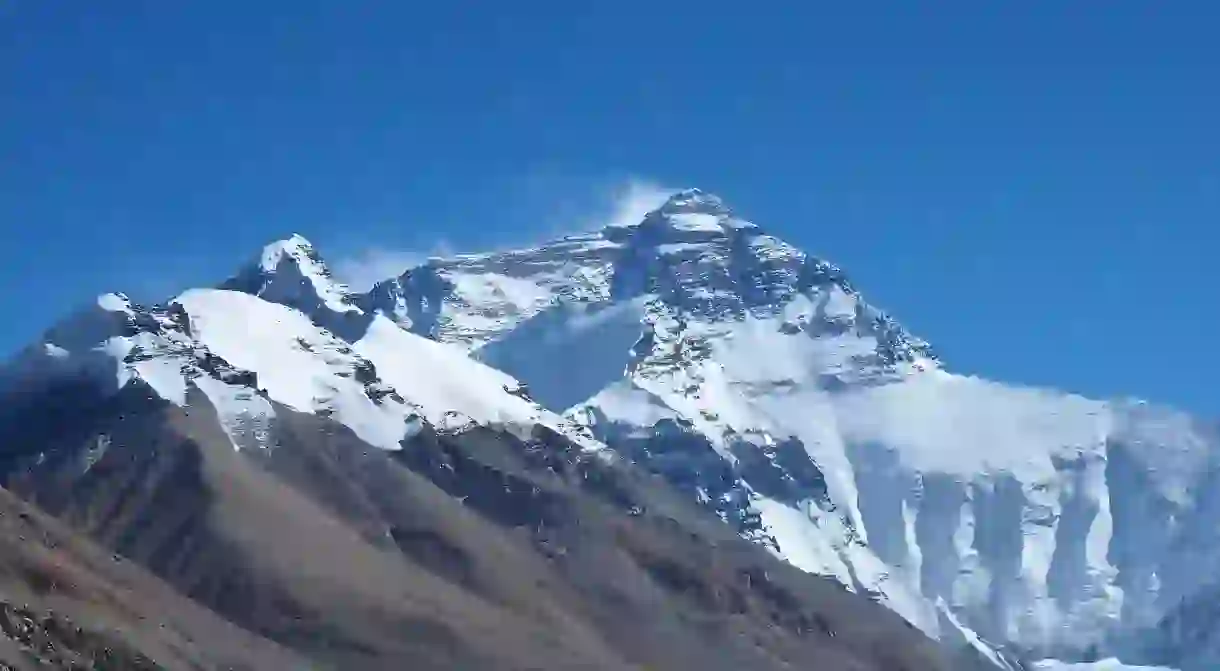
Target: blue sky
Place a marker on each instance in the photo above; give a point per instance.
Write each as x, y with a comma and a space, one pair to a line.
1034, 187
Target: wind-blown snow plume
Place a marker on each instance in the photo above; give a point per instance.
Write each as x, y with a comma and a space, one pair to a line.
634, 199
370, 265
593, 206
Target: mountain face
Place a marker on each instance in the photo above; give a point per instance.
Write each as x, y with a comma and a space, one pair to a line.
682, 443
757, 380
315, 486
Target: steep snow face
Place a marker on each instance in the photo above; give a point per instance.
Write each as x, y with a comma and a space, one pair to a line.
757, 378
297, 363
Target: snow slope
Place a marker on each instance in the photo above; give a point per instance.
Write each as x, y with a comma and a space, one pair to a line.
758, 379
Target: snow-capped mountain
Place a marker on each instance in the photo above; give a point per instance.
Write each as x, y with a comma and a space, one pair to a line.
339, 488
756, 378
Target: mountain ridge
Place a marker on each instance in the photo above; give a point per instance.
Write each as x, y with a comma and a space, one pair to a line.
753, 379
694, 321
471, 546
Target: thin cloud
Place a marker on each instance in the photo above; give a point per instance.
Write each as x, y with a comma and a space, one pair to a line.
370, 266
556, 206
568, 210
637, 198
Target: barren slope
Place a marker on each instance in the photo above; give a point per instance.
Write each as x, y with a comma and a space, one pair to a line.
470, 549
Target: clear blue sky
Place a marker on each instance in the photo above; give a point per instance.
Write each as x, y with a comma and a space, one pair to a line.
1034, 187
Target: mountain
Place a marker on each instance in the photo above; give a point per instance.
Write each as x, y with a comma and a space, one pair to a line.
757, 380
314, 486
679, 443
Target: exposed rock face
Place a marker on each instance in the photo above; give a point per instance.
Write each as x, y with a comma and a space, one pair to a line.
47, 640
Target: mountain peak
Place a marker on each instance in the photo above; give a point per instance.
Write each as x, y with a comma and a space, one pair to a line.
114, 302
694, 214
291, 272
692, 254
293, 249
694, 201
